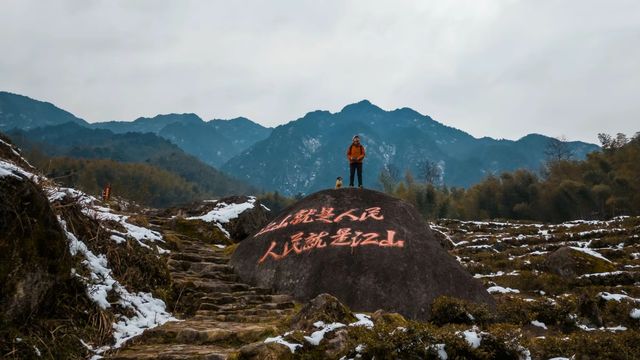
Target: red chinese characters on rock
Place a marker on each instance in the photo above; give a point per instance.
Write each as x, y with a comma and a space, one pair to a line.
325, 215
301, 242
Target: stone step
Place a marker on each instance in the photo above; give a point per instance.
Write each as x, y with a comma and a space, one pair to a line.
269, 317
277, 306
216, 275
198, 257
226, 298
235, 307
183, 265
251, 312
174, 352
220, 276
206, 332
210, 286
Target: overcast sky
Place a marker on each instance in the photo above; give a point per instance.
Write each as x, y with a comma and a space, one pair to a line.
499, 68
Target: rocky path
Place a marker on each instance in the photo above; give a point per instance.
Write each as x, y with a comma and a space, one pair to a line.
219, 314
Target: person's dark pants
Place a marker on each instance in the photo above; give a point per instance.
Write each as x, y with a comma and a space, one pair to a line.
352, 169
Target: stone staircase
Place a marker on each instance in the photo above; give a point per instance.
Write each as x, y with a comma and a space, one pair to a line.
219, 313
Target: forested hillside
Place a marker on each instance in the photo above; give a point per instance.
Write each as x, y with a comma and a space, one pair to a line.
71, 140
142, 183
604, 185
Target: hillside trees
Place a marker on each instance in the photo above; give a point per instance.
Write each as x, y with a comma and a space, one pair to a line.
141, 183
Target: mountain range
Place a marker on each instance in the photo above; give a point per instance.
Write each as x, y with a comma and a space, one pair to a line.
303, 155
309, 153
214, 141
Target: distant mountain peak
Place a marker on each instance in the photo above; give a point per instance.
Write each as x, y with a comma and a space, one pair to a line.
22, 112
363, 106
184, 117
239, 119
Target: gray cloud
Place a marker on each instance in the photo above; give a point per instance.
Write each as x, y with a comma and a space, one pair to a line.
499, 68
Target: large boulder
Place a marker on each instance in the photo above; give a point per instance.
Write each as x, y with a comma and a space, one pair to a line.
34, 253
570, 262
368, 249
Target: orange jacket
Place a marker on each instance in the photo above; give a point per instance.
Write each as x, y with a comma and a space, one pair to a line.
355, 153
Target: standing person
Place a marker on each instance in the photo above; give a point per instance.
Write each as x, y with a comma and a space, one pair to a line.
355, 154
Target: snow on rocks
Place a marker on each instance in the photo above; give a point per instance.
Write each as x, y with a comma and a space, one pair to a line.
280, 340
59, 193
9, 169
590, 252
222, 213
446, 236
138, 233
611, 329
15, 152
497, 274
316, 337
440, 350
502, 290
635, 314
363, 320
141, 234
609, 273
442, 354
617, 297
472, 337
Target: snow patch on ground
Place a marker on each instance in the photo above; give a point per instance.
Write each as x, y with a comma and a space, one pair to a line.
148, 312
635, 313
141, 234
439, 348
602, 274
539, 324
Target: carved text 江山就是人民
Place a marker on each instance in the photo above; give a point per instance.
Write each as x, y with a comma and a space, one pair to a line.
325, 215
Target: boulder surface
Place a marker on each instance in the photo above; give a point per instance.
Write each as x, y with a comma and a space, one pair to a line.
370, 250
